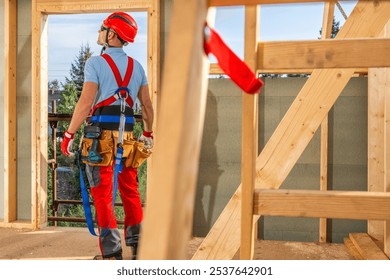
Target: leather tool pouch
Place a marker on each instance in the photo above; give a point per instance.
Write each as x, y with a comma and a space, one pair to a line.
138, 156
97, 147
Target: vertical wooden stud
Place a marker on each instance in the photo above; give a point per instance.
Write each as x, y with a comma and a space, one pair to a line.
327, 24
386, 239
249, 138
169, 212
10, 50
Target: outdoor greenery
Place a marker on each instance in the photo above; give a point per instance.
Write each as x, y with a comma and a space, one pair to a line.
70, 94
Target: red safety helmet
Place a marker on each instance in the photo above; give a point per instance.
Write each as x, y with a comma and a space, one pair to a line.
123, 24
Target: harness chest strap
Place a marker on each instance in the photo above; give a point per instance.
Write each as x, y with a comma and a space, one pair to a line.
123, 91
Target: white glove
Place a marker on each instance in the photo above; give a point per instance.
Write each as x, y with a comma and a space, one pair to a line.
147, 138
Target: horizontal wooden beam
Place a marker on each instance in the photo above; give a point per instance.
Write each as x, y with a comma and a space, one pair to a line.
256, 2
319, 204
90, 6
216, 70
330, 53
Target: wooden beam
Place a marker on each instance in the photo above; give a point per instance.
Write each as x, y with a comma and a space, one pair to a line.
179, 129
249, 138
318, 204
39, 118
352, 249
297, 127
367, 247
376, 149
216, 70
10, 53
326, 53
327, 25
386, 88
91, 6
257, 2
154, 67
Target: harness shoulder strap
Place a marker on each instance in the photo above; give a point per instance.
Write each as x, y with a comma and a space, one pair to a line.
116, 72
122, 84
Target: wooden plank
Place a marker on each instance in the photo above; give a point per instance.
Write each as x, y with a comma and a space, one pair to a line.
327, 25
42, 153
180, 125
256, 2
216, 70
376, 137
386, 233
318, 204
153, 67
367, 247
249, 138
91, 6
10, 49
352, 249
367, 19
39, 119
326, 53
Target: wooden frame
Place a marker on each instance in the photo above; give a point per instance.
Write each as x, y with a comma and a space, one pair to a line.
180, 124
40, 10
294, 133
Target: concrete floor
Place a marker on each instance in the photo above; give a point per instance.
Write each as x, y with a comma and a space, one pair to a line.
79, 244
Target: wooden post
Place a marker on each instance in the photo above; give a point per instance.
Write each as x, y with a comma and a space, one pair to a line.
327, 25
386, 239
168, 216
249, 138
39, 118
378, 131
10, 49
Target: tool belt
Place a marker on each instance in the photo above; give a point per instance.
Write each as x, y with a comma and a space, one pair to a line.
98, 148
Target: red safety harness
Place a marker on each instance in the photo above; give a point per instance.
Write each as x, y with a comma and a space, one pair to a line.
123, 90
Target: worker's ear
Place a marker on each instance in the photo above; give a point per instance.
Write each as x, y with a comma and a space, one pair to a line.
111, 35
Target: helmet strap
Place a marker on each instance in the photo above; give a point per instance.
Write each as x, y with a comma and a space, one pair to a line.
106, 44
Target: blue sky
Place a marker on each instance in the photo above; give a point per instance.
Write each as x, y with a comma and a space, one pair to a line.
277, 22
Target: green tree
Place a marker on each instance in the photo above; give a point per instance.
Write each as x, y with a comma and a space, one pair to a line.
335, 29
77, 68
53, 86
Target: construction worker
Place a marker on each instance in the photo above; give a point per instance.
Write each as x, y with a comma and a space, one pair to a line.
112, 83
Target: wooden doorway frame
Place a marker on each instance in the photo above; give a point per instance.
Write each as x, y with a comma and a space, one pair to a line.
41, 9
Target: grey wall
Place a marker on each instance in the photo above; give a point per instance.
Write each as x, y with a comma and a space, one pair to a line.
220, 162
24, 110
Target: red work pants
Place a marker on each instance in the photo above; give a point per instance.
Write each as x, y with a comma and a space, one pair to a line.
101, 181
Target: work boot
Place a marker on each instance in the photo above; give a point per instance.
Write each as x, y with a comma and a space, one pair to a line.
132, 237
134, 249
117, 256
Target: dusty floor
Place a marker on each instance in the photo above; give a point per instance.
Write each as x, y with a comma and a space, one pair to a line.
79, 244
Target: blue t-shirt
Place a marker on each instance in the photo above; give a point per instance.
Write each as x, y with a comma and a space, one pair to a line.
98, 71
